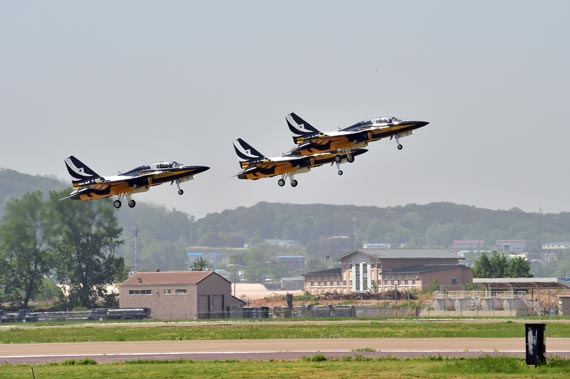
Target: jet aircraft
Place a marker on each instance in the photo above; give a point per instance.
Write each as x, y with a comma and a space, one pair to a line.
88, 185
310, 140
256, 165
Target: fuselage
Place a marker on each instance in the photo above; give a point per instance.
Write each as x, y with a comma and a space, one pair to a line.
355, 136
291, 164
139, 179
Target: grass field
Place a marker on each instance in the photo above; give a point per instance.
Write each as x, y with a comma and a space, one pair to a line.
314, 367
268, 330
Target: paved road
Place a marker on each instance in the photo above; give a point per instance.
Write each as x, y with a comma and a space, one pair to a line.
273, 349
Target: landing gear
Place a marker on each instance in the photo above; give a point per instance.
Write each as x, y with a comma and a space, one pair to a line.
349, 158
293, 182
117, 204
340, 172
180, 190
132, 203
400, 147
337, 159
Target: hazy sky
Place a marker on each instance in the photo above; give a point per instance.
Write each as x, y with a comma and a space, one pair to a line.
122, 83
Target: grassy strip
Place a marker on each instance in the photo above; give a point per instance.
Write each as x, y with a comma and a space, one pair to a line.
316, 367
372, 329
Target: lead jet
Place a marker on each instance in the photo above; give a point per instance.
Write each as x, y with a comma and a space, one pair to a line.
256, 165
88, 185
310, 140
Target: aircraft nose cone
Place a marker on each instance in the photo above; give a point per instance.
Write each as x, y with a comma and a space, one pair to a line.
420, 124
200, 169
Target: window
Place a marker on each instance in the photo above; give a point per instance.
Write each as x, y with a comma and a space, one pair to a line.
406, 282
338, 283
167, 291
139, 292
312, 283
180, 291
413, 282
453, 281
319, 283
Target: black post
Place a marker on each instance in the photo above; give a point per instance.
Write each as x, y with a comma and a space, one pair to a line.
535, 344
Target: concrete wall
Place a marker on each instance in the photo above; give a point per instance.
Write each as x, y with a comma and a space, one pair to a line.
167, 302
181, 302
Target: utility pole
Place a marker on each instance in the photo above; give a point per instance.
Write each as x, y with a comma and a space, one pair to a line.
136, 247
355, 220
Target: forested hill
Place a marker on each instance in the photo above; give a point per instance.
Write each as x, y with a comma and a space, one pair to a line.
14, 184
164, 235
435, 225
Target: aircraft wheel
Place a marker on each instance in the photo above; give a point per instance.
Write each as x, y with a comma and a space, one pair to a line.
281, 182
117, 204
400, 147
350, 159
132, 203
181, 192
338, 158
340, 172
294, 183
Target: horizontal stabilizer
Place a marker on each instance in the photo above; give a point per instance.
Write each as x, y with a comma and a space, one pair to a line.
246, 152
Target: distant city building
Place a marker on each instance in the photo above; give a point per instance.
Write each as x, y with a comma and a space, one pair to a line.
282, 243
468, 245
210, 257
294, 283
294, 262
556, 247
376, 246
509, 246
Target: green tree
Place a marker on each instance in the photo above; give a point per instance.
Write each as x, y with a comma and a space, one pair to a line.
84, 236
519, 268
26, 258
199, 264
482, 267
498, 265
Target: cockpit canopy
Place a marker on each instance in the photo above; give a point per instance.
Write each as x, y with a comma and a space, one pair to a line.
375, 121
153, 166
165, 164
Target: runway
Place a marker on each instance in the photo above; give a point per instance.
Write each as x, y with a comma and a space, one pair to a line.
265, 349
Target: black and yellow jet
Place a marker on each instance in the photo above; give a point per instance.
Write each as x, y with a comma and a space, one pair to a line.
88, 185
256, 165
310, 140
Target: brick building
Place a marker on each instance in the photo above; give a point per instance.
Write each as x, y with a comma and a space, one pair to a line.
386, 270
179, 295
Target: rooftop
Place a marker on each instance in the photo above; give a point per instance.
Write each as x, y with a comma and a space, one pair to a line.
407, 254
167, 278
521, 283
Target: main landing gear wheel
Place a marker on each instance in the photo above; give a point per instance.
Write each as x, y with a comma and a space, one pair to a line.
181, 192
132, 203
400, 147
117, 204
350, 159
294, 183
340, 172
281, 182
338, 158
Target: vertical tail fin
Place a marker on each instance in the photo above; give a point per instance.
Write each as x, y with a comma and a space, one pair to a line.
300, 127
247, 152
79, 171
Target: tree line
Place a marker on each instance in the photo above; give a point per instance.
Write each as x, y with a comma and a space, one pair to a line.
72, 243
499, 266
